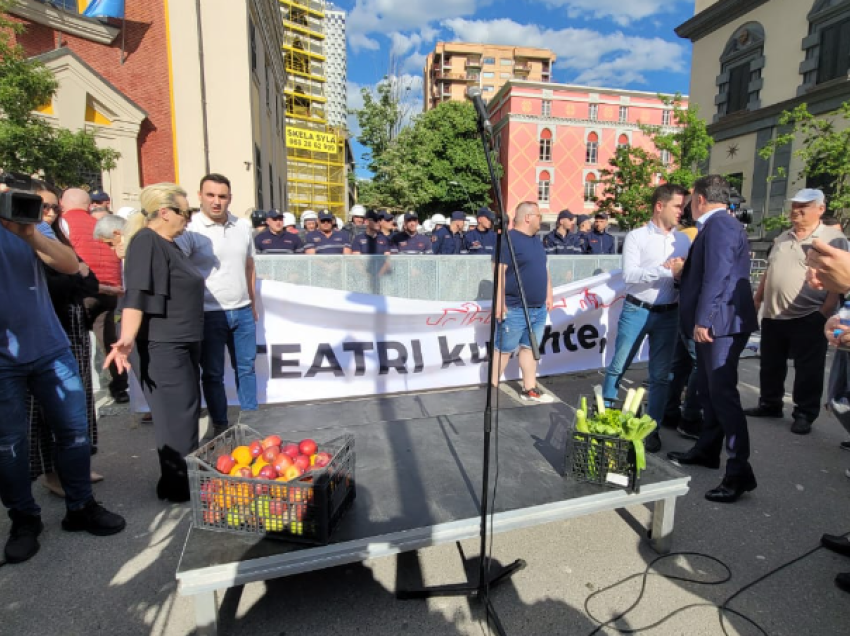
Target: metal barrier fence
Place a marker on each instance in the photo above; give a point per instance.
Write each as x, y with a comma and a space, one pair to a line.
422, 277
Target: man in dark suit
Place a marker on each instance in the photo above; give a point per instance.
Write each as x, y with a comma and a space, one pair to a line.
716, 306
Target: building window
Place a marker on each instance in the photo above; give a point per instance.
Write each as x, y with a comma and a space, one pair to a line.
268, 84
543, 183
506, 62
592, 155
258, 175
271, 186
252, 31
546, 108
487, 89
624, 114
739, 82
546, 145
488, 74
593, 113
488, 60
666, 117
827, 44
590, 188
505, 76
665, 157
622, 142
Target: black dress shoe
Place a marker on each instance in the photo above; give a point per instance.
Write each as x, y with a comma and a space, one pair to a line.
842, 580
836, 543
670, 421
762, 411
121, 397
731, 489
693, 458
689, 428
652, 443
801, 426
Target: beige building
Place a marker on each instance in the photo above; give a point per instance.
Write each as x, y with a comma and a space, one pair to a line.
228, 84
454, 66
753, 60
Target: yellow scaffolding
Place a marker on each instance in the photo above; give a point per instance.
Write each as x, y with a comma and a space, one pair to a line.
315, 169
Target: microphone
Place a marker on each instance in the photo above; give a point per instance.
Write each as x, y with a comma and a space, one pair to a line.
473, 93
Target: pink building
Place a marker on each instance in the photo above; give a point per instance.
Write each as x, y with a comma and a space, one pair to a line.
554, 139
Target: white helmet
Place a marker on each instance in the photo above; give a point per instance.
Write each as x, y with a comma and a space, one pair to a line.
288, 219
338, 222
438, 219
307, 216
471, 222
427, 226
358, 210
399, 222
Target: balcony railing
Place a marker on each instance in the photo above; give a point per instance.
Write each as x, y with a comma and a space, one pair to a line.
522, 68
473, 63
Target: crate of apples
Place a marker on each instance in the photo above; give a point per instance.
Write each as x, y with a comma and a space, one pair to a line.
272, 459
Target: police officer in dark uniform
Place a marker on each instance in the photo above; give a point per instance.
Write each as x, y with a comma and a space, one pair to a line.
564, 239
274, 237
482, 240
388, 226
409, 241
372, 241
598, 239
357, 224
327, 239
450, 240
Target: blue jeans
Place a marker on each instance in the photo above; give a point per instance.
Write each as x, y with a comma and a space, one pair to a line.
634, 325
236, 330
55, 382
512, 331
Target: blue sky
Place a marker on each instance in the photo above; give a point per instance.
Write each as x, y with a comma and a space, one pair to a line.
610, 43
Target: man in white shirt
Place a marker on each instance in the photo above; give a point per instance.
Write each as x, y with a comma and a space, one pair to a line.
221, 246
653, 257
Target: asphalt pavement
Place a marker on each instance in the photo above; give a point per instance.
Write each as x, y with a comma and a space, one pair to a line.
80, 584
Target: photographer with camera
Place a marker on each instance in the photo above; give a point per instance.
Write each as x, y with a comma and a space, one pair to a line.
35, 354
794, 315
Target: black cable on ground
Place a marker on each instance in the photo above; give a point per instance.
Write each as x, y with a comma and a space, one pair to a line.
723, 608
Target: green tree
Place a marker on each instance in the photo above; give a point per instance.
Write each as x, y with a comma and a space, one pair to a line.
28, 143
823, 148
627, 185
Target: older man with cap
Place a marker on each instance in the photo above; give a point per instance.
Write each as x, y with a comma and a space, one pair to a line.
794, 314
372, 241
275, 238
99, 204
482, 240
450, 240
326, 239
409, 241
564, 239
598, 239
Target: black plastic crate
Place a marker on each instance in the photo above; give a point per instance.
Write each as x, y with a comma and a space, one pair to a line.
306, 509
602, 459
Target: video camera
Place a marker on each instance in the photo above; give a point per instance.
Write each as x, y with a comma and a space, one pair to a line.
736, 201
17, 204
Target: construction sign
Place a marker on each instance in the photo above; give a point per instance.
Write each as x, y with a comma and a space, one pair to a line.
303, 139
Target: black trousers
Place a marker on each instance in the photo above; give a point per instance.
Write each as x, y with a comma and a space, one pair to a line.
100, 317
801, 340
170, 375
723, 416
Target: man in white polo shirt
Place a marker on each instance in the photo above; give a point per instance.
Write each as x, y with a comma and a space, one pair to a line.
221, 246
653, 257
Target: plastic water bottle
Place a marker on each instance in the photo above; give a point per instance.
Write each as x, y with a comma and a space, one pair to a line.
844, 319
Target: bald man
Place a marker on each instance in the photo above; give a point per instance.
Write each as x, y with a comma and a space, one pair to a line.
100, 309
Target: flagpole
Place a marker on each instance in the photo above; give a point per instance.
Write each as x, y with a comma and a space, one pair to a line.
123, 33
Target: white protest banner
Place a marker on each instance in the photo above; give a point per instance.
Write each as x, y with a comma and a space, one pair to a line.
321, 343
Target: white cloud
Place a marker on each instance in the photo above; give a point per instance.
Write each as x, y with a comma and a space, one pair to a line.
359, 41
414, 63
389, 16
594, 58
623, 12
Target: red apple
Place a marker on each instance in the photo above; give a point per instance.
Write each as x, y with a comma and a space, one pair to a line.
272, 440
292, 472
322, 460
303, 462
308, 447
268, 472
270, 452
224, 464
256, 448
282, 462
245, 471
291, 450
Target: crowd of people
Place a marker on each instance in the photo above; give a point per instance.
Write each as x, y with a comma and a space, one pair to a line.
168, 291
379, 232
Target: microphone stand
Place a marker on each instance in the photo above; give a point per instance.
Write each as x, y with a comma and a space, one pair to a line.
488, 577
